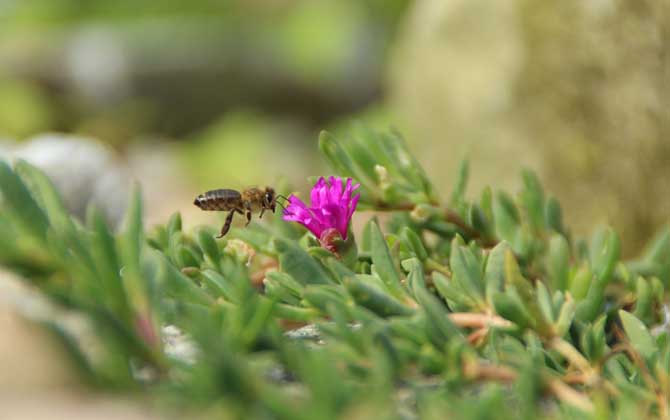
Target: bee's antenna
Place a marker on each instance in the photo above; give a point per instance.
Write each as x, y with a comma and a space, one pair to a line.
277, 197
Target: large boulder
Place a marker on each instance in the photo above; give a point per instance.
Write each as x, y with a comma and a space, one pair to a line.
577, 90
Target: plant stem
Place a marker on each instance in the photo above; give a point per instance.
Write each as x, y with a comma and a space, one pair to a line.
569, 395
450, 216
433, 265
474, 320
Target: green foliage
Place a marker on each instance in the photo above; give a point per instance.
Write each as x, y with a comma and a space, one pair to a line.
472, 310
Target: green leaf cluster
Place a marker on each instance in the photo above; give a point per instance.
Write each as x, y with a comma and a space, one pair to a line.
464, 308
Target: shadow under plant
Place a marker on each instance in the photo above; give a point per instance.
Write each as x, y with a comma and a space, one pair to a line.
468, 308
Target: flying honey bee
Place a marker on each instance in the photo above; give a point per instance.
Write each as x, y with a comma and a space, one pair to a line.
233, 201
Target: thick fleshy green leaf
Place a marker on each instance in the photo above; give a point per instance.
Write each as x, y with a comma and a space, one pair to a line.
554, 216
183, 288
412, 240
494, 274
45, 192
364, 160
375, 299
486, 203
174, 224
457, 300
506, 218
511, 308
514, 278
466, 272
217, 284
299, 264
287, 282
644, 300
544, 302
366, 240
479, 221
638, 334
558, 262
605, 251
659, 249
209, 248
581, 282
383, 263
415, 277
532, 197
106, 260
336, 156
133, 237
18, 198
294, 313
320, 297
565, 316
458, 194
440, 328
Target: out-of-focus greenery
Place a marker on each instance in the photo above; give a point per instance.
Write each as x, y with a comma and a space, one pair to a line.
246, 148
234, 83
23, 109
173, 67
484, 308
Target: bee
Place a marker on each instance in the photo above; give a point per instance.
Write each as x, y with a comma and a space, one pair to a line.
242, 202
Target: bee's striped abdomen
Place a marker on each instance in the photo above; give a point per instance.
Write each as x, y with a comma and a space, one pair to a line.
221, 199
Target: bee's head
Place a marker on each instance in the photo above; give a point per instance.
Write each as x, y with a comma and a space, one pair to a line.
269, 199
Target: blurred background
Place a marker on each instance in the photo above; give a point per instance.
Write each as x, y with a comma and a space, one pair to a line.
186, 97
209, 94
190, 96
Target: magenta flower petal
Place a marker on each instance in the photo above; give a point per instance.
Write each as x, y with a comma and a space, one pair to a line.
352, 206
317, 191
331, 207
301, 214
335, 192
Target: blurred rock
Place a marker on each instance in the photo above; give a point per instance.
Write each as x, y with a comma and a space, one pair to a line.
83, 170
37, 377
73, 406
576, 89
308, 332
452, 84
98, 66
178, 345
30, 358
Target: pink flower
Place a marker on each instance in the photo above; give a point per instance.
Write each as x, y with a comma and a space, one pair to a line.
330, 211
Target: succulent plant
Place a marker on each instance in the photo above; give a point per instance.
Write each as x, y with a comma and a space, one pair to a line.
455, 308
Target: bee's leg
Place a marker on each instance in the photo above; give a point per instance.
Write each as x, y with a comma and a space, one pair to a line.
226, 226
260, 216
247, 209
